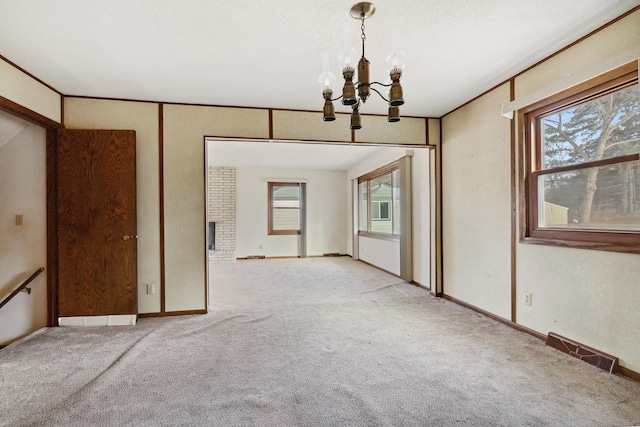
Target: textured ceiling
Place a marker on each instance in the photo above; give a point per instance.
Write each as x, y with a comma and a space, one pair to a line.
268, 53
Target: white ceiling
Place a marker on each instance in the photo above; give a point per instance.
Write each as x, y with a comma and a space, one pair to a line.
268, 53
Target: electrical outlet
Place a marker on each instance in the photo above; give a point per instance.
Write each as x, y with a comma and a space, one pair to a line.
151, 289
260, 246
527, 298
19, 220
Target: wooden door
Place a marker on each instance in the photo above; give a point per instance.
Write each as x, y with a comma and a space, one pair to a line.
96, 220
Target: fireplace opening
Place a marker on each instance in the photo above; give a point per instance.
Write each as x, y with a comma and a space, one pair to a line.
211, 232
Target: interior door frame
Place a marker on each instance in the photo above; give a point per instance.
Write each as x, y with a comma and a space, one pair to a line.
51, 127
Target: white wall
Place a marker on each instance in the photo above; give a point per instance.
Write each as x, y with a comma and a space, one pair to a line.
326, 207
23, 249
386, 254
383, 254
421, 215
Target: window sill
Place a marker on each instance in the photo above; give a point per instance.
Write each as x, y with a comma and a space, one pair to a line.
380, 236
283, 232
628, 246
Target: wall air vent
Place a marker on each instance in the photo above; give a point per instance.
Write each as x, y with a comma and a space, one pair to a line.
594, 357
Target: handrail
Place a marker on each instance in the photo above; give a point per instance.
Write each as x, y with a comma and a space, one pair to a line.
21, 287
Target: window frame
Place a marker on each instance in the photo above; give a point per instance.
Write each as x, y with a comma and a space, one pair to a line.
270, 229
386, 169
529, 121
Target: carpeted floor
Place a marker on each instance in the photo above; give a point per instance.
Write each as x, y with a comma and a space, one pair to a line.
309, 342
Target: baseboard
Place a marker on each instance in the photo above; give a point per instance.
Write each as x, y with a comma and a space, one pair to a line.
251, 257
107, 320
25, 338
172, 313
420, 285
621, 370
496, 318
379, 268
626, 372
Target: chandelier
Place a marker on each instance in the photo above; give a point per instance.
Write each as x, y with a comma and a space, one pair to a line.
363, 86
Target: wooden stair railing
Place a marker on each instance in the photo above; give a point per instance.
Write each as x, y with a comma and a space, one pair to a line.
21, 287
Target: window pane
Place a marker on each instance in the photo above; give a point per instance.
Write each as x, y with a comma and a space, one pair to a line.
362, 206
605, 127
606, 197
381, 195
396, 201
285, 201
286, 219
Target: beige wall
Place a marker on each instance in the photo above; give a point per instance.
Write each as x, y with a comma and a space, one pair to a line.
476, 201
143, 118
23, 249
590, 296
24, 90
184, 129
184, 187
587, 295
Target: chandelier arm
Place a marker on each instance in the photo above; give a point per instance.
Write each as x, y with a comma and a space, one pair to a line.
381, 95
335, 99
381, 84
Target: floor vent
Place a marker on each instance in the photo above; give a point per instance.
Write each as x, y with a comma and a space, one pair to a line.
255, 257
594, 357
332, 254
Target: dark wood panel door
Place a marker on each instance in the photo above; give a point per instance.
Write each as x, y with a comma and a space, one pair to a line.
96, 220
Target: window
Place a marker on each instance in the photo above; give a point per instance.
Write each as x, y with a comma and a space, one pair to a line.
583, 155
380, 211
379, 202
284, 208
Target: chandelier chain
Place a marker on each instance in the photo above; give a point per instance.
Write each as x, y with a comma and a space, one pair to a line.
363, 36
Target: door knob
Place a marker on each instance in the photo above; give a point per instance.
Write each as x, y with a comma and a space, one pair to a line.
129, 237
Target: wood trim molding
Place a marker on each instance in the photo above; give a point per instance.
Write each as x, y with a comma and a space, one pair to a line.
172, 313
62, 110
161, 202
317, 141
270, 229
495, 317
626, 372
22, 70
380, 236
205, 219
380, 171
26, 114
625, 241
229, 106
514, 205
420, 285
52, 227
379, 268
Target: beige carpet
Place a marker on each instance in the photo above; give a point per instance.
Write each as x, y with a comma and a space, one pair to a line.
310, 342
